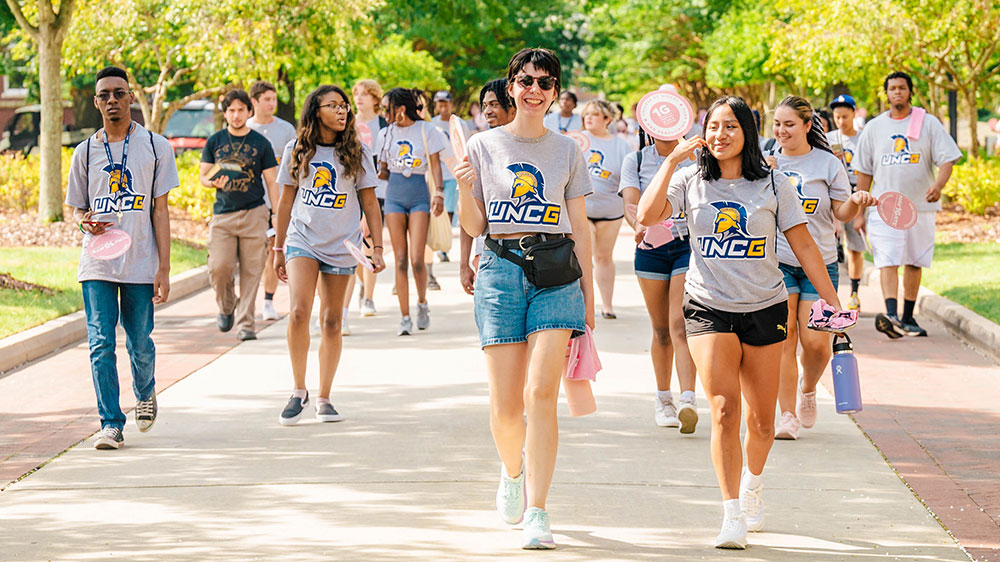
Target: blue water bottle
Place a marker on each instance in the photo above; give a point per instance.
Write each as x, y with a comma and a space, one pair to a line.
846, 386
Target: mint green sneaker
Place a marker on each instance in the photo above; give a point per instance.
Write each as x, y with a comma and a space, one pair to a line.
537, 535
511, 499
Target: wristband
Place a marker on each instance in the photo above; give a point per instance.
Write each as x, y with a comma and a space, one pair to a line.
80, 226
379, 247
278, 248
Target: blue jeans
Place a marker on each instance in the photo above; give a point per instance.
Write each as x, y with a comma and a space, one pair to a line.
100, 301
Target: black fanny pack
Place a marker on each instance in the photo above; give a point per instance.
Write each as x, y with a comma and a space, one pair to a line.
548, 261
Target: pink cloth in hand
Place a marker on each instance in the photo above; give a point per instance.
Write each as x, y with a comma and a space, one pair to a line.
825, 318
582, 362
658, 235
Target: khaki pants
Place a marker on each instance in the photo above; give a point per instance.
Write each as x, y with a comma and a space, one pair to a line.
237, 237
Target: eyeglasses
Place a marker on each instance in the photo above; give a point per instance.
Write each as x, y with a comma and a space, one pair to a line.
546, 83
338, 106
119, 94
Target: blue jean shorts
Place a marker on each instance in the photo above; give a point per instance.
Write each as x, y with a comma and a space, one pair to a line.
663, 262
407, 195
796, 280
508, 308
293, 252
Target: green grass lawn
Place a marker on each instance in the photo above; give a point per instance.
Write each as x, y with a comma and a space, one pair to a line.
968, 274
56, 268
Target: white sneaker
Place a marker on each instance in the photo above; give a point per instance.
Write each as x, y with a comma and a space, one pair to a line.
537, 535
511, 499
423, 316
405, 326
367, 307
752, 504
269, 312
788, 427
666, 413
345, 327
733, 533
688, 416
805, 408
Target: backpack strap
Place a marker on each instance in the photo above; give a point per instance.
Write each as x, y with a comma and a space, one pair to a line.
86, 166
156, 161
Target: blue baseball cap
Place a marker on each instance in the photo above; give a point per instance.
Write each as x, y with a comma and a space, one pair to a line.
843, 100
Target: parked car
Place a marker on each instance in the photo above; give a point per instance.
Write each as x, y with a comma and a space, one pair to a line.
190, 126
21, 134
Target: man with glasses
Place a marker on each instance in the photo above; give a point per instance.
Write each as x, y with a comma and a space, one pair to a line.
238, 229
118, 184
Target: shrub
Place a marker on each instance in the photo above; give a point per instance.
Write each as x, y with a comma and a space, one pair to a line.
191, 196
19, 180
975, 184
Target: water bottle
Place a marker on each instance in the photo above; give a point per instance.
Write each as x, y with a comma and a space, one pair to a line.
846, 386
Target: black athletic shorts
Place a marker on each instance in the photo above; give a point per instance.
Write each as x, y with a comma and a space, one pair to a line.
760, 327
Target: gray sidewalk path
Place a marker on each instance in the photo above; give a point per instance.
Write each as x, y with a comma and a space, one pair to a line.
412, 472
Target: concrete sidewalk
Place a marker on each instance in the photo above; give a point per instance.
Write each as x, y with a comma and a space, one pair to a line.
412, 471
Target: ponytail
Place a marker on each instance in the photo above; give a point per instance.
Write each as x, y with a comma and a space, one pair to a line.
815, 136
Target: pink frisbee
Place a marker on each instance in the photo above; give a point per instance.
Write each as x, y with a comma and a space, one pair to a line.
359, 255
364, 133
110, 245
581, 139
665, 115
456, 130
897, 210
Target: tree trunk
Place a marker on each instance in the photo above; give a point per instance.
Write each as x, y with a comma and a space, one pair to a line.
50, 197
286, 111
970, 102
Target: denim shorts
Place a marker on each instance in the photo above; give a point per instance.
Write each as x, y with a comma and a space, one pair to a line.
663, 262
293, 252
508, 308
797, 282
407, 195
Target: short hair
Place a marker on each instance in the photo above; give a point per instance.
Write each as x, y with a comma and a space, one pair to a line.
542, 59
235, 95
372, 88
571, 95
898, 74
499, 89
111, 72
258, 88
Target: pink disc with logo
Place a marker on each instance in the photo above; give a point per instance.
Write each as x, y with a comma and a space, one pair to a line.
364, 133
581, 139
456, 130
359, 255
110, 245
897, 210
665, 115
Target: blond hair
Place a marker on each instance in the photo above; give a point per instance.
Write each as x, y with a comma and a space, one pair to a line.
372, 88
603, 106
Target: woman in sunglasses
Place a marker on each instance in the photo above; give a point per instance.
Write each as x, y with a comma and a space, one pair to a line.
524, 187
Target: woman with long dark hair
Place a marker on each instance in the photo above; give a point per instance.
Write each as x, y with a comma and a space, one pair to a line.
735, 309
327, 177
824, 190
523, 186
409, 149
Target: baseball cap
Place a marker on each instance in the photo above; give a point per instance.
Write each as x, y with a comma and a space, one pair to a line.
442, 95
843, 100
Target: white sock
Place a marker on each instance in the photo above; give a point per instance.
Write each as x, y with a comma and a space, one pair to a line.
300, 393
322, 401
687, 396
750, 479
665, 395
732, 508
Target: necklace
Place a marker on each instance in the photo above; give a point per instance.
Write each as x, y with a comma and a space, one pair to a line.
237, 149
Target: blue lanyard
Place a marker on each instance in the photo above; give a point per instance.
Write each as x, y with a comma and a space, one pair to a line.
568, 122
107, 150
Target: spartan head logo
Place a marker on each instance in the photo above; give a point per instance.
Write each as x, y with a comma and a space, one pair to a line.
730, 219
119, 181
848, 156
900, 143
797, 181
528, 183
405, 149
596, 159
325, 177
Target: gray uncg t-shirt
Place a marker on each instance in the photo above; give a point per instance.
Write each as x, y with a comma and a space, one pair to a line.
525, 182
818, 178
639, 176
604, 163
373, 126
445, 128
95, 185
279, 133
898, 163
733, 224
326, 210
850, 146
403, 147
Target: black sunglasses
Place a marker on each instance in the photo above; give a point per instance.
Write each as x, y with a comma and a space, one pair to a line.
119, 94
546, 83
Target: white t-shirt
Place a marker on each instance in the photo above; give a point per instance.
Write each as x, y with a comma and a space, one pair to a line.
279, 133
560, 124
368, 132
898, 163
604, 163
850, 147
445, 128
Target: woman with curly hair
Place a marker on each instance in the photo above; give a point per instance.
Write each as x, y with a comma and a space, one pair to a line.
327, 177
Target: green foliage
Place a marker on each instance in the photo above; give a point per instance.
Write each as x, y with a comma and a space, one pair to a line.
191, 196
975, 184
738, 47
395, 62
19, 180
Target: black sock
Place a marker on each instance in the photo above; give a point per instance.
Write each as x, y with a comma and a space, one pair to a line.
268, 296
908, 310
891, 308
855, 285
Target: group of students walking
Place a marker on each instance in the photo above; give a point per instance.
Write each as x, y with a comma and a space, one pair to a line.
728, 298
